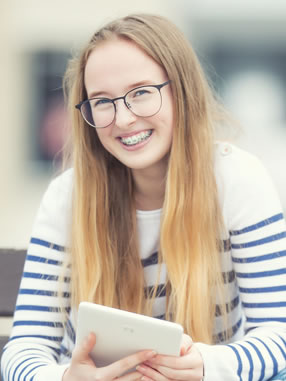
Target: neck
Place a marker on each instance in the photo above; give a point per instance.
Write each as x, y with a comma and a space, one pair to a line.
150, 187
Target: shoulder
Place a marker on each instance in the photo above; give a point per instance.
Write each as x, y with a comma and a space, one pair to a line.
237, 167
244, 186
59, 191
235, 163
54, 214
62, 182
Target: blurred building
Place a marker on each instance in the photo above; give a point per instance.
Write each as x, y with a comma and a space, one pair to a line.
243, 49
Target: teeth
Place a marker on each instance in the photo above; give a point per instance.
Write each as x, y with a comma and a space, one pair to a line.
135, 139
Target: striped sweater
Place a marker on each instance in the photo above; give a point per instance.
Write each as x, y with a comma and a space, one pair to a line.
253, 265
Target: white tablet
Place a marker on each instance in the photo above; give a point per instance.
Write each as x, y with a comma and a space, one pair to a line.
121, 333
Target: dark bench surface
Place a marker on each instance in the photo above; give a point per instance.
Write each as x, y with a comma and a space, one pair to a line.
11, 267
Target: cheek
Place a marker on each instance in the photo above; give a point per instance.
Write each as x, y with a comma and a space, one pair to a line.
168, 113
169, 122
103, 135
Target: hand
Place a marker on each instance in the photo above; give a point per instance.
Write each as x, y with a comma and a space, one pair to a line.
82, 367
187, 367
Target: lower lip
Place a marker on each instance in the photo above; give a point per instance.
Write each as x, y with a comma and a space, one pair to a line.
137, 146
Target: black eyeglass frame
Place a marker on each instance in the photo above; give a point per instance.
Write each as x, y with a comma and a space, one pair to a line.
158, 87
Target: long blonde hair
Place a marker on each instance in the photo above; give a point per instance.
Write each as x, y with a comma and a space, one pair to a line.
106, 266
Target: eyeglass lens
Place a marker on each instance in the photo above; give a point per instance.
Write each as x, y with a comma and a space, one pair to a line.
143, 101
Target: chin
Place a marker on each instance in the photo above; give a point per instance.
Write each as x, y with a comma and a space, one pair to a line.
148, 164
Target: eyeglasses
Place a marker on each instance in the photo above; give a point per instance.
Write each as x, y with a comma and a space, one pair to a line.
144, 101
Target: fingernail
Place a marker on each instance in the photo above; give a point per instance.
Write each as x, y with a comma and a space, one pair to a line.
151, 354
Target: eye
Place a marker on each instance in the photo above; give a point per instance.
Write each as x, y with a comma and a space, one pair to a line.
100, 102
140, 92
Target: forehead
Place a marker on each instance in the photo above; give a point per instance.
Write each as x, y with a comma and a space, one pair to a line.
117, 64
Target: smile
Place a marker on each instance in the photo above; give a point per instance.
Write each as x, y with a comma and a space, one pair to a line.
136, 139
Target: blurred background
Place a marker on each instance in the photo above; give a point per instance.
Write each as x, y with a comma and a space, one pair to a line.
241, 44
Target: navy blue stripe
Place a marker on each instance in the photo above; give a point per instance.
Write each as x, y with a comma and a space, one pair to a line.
27, 366
151, 260
65, 351
38, 366
262, 274
221, 336
50, 245
44, 276
262, 289
263, 320
28, 291
228, 277
23, 370
264, 305
10, 365
281, 350
260, 258
19, 365
282, 339
226, 245
58, 352
271, 238
161, 291
29, 350
239, 368
160, 317
15, 370
259, 225
70, 331
262, 374
229, 306
51, 338
24, 307
43, 353
275, 364
35, 258
37, 350
248, 355
37, 323
236, 327
40, 276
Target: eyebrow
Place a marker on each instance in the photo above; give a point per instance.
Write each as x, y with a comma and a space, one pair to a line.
95, 94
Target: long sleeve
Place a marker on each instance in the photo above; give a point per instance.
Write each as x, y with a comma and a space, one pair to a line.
34, 348
257, 242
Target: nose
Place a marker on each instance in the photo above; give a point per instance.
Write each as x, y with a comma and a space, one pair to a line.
124, 118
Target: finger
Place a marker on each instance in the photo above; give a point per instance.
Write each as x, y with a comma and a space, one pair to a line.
169, 361
150, 373
189, 361
81, 351
167, 373
186, 345
131, 376
127, 363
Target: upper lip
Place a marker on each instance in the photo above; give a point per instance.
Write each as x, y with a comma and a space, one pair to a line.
126, 135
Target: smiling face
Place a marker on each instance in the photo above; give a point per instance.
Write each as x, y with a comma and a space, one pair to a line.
114, 68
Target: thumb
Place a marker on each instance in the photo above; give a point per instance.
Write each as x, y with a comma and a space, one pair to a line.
81, 352
186, 344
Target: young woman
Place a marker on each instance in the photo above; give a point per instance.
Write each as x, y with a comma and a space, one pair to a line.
154, 217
